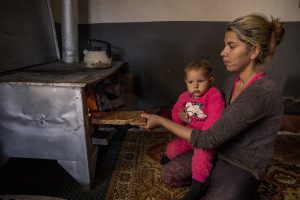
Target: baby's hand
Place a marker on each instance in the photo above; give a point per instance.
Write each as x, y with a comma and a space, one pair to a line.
182, 114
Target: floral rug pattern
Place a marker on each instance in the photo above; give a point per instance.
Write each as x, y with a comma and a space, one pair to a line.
138, 173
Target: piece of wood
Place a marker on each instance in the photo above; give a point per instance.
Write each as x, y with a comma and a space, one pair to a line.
119, 118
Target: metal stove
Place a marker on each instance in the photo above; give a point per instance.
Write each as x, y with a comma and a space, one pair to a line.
44, 112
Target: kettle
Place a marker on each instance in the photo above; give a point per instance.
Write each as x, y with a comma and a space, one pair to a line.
95, 58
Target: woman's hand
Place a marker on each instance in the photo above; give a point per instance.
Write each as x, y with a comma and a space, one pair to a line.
153, 121
183, 116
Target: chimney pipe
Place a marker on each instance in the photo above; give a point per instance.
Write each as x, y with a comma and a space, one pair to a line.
69, 28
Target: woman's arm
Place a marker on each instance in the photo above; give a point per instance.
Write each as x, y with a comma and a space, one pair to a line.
154, 121
250, 107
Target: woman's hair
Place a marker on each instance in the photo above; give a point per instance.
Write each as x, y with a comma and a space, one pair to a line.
198, 65
257, 29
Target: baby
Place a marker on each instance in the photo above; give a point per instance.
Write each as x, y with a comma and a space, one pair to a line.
203, 104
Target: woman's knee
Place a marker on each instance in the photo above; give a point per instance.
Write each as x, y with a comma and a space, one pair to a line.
178, 172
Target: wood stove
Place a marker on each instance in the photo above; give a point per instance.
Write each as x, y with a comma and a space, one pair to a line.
44, 112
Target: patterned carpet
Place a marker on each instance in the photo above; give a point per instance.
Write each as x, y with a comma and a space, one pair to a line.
129, 169
283, 178
137, 174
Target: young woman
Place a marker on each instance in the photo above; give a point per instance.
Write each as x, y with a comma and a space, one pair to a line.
245, 133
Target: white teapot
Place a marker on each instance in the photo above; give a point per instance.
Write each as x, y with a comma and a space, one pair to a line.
95, 58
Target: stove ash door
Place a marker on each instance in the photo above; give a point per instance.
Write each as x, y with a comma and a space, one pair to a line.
48, 122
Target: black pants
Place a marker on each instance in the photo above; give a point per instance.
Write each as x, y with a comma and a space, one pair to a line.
231, 182
227, 181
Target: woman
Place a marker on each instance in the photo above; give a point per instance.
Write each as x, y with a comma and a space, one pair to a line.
246, 131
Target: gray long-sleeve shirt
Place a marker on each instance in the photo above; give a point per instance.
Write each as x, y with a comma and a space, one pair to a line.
245, 133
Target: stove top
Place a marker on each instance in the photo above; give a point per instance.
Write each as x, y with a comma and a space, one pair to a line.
59, 74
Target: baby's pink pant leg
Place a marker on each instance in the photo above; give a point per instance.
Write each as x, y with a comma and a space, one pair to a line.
177, 147
202, 163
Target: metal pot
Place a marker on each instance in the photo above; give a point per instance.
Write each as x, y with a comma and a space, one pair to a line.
95, 58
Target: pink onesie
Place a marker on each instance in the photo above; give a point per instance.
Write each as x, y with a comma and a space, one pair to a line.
203, 112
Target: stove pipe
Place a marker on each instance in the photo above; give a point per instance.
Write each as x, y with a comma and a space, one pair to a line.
69, 29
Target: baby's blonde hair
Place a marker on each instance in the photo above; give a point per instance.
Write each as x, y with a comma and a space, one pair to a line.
257, 29
198, 65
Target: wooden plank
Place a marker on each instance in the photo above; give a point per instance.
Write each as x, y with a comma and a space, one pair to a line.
119, 118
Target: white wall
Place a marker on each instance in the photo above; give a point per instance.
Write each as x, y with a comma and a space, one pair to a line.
111, 11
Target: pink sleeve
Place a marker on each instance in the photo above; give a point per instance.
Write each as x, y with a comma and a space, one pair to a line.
216, 105
179, 104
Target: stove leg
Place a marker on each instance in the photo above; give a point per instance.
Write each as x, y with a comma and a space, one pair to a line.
82, 171
79, 171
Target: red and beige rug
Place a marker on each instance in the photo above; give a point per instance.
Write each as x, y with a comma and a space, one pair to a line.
138, 173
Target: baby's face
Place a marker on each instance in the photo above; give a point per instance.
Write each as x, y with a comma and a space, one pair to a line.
197, 82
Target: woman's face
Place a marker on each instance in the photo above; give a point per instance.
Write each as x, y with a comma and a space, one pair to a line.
236, 55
